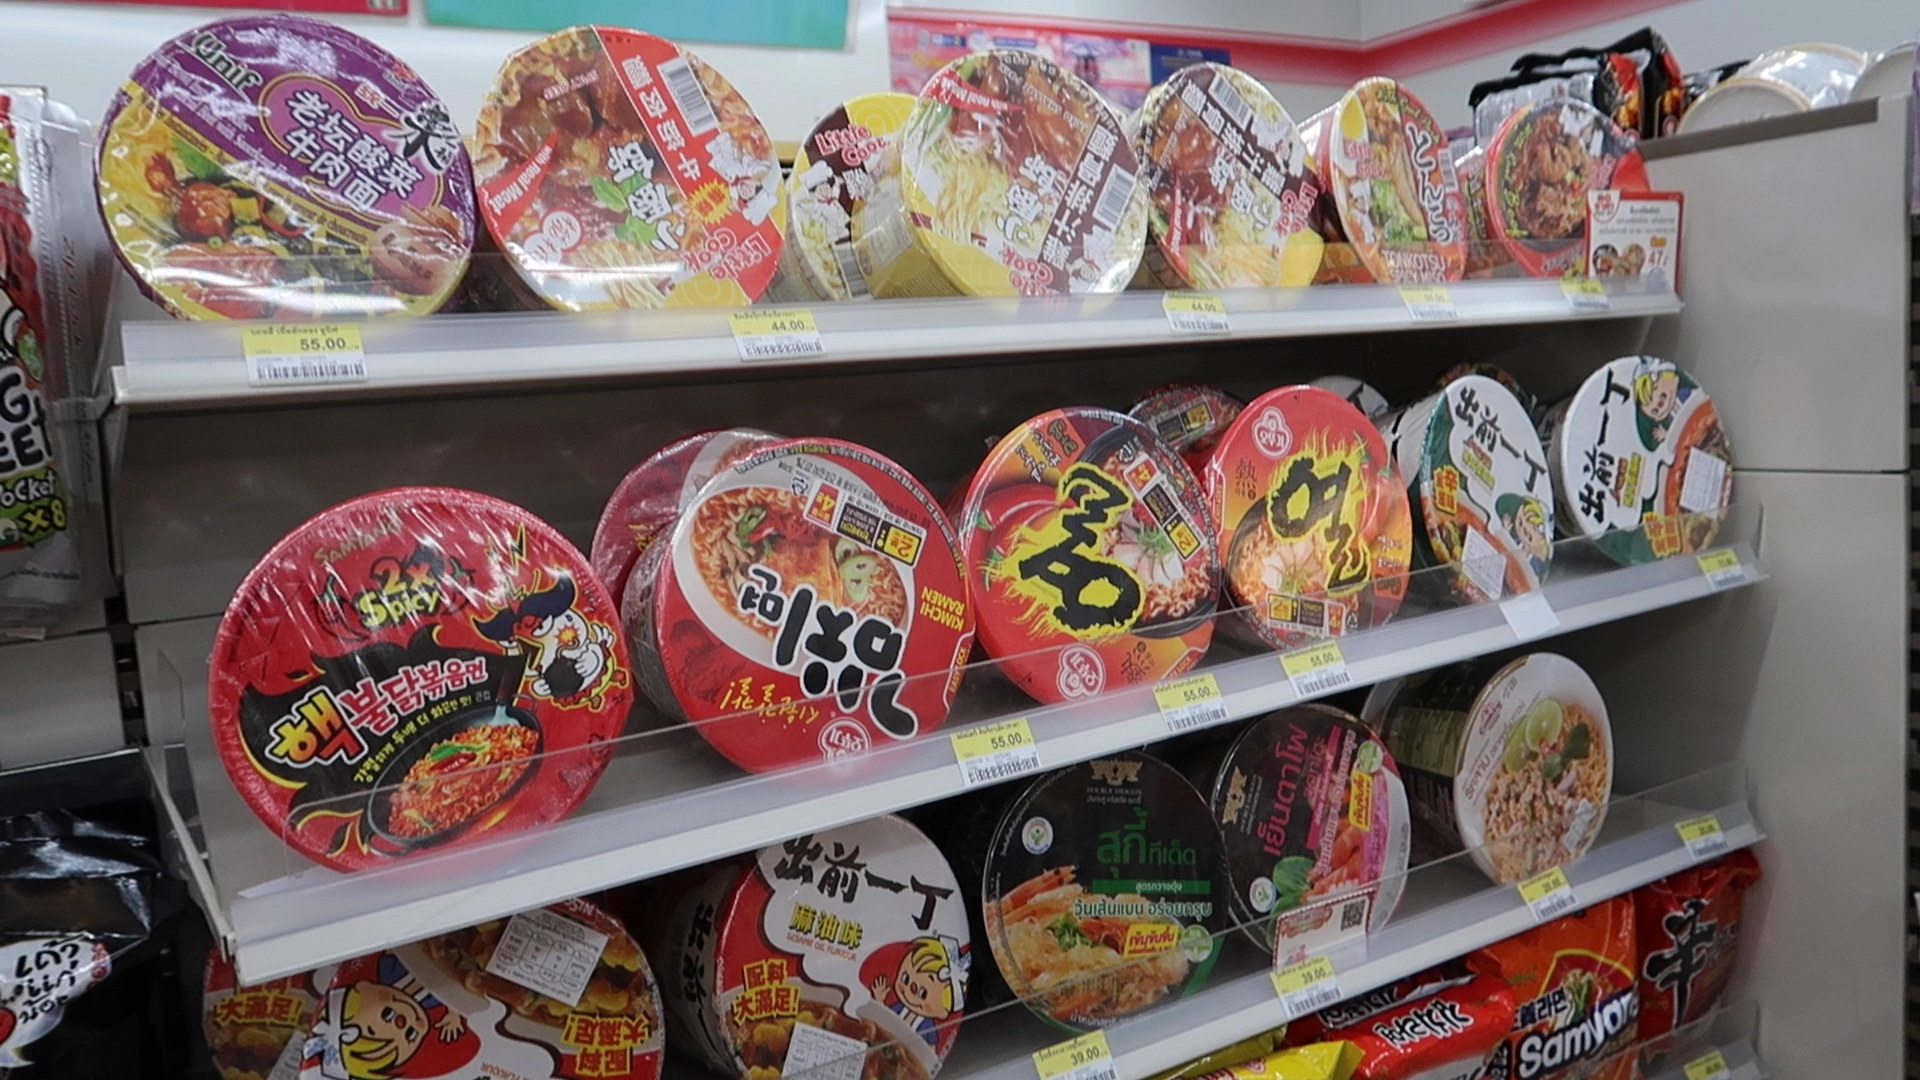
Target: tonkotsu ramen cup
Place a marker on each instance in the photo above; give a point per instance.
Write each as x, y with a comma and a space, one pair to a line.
1014, 178
1481, 486
259, 1030
1641, 463
808, 606
1230, 187
1090, 555
1190, 417
278, 167
834, 173
1516, 768
1540, 165
650, 499
417, 668
1391, 176
1315, 529
618, 170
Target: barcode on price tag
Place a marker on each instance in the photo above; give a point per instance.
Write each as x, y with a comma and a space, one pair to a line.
1586, 294
1085, 1058
1195, 313
1306, 986
1191, 702
1711, 1065
1723, 569
1429, 303
297, 354
776, 335
1316, 669
1548, 895
548, 954
994, 752
1703, 836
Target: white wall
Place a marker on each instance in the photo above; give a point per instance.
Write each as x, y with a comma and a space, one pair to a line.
1337, 19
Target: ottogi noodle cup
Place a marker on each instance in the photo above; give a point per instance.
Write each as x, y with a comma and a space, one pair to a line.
834, 173
416, 668
1516, 768
1641, 463
1310, 807
617, 170
1190, 417
260, 1031
1359, 394
650, 498
1540, 166
1014, 179
1313, 526
1102, 892
808, 606
1090, 555
1385, 160
560, 991
1232, 192
848, 942
1481, 486
274, 166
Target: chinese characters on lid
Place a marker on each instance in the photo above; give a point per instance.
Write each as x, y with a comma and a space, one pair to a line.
836, 171
1393, 184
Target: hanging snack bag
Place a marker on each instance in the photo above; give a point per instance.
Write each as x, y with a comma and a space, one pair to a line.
1232, 191
1641, 463
651, 498
416, 668
1578, 1003
1689, 929
1540, 166
618, 170
1190, 417
276, 166
258, 1032
834, 174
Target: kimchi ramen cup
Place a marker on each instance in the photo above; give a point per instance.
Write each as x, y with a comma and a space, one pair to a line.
650, 499
834, 173
1540, 165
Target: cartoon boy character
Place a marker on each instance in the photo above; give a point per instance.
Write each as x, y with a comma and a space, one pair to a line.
925, 984
391, 1027
1526, 521
1658, 394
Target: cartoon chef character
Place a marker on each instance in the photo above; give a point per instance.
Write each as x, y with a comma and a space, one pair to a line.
388, 1027
1658, 395
572, 658
922, 980
1526, 521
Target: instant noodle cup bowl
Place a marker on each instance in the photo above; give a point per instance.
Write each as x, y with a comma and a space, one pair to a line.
1540, 165
837, 168
648, 500
1393, 184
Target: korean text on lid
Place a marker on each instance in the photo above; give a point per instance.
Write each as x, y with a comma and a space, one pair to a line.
835, 172
1393, 184
273, 166
1540, 166
416, 668
618, 170
1090, 555
808, 606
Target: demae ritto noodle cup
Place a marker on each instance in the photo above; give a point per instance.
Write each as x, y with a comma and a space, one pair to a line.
807, 606
835, 171
1231, 190
1641, 463
1015, 178
1517, 767
1090, 555
420, 667
618, 170
274, 166
1540, 166
650, 499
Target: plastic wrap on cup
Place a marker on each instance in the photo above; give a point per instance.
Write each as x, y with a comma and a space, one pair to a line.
834, 174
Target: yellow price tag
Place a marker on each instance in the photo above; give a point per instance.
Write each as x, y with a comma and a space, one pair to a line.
1722, 568
1585, 294
284, 354
1429, 302
1703, 836
991, 753
776, 335
1305, 986
1549, 895
1711, 1065
1195, 313
1192, 702
1316, 668
1086, 1052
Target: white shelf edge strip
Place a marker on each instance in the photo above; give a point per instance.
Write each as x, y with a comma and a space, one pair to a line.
1742, 1063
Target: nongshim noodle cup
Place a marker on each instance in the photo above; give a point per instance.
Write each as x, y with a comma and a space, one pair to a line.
618, 170
1516, 768
650, 498
1316, 829
1481, 487
1014, 179
416, 668
808, 606
258, 1032
1231, 190
1540, 166
1315, 530
1190, 417
1641, 464
1102, 891
274, 166
1090, 555
852, 942
834, 174
1393, 185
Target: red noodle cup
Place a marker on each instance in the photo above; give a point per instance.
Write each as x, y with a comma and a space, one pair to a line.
1339, 259
1314, 527
1540, 166
1190, 417
1486, 255
259, 1030
808, 606
1090, 554
618, 170
650, 498
275, 166
1386, 161
809, 949
416, 668
560, 991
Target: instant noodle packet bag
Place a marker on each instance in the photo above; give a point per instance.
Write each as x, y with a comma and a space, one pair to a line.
416, 668
618, 170
1689, 931
1090, 555
650, 499
847, 943
276, 166
1540, 166
1190, 417
1315, 1061
1232, 191
1641, 463
558, 992
1444, 1035
807, 606
1232, 1054
1577, 1002
834, 174
258, 1032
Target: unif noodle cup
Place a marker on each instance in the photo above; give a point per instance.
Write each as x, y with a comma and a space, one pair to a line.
649, 499
1090, 555
275, 166
1190, 417
1385, 159
809, 949
1540, 165
834, 173
1641, 463
1232, 193
617, 170
1313, 526
807, 606
1015, 179
1481, 487
260, 1031
416, 668
1516, 768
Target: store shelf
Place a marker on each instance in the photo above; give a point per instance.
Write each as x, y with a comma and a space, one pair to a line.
202, 365
1742, 1064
